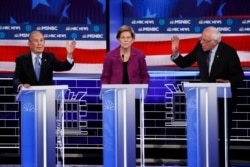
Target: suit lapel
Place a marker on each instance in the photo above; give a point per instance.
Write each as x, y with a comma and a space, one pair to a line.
44, 66
29, 65
215, 62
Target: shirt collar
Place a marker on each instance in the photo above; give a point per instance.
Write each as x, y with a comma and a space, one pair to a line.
34, 55
214, 49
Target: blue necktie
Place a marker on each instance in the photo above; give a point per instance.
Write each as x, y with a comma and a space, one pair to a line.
37, 67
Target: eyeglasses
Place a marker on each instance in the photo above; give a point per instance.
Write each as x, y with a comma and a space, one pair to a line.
205, 41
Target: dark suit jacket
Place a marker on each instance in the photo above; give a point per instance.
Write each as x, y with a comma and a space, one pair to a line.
25, 73
226, 65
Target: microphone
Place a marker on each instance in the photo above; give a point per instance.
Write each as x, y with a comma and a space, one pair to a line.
122, 57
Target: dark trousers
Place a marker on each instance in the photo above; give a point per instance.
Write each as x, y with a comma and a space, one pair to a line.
231, 106
137, 116
137, 125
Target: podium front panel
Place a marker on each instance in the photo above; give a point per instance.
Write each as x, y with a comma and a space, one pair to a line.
119, 137
28, 146
202, 122
38, 125
109, 129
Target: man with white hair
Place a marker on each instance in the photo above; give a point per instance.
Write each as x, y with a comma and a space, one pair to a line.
217, 62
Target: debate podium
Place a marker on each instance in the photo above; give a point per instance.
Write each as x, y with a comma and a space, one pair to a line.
119, 135
202, 122
42, 129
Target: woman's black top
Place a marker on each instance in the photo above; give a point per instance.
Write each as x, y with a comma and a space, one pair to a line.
125, 79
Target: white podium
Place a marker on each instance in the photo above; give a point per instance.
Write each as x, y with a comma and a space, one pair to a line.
119, 139
202, 122
39, 127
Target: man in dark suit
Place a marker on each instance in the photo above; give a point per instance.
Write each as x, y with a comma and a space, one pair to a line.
25, 75
217, 62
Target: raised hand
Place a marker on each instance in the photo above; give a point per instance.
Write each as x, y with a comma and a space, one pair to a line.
175, 44
70, 47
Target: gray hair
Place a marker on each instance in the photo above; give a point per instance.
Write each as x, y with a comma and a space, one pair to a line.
215, 33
